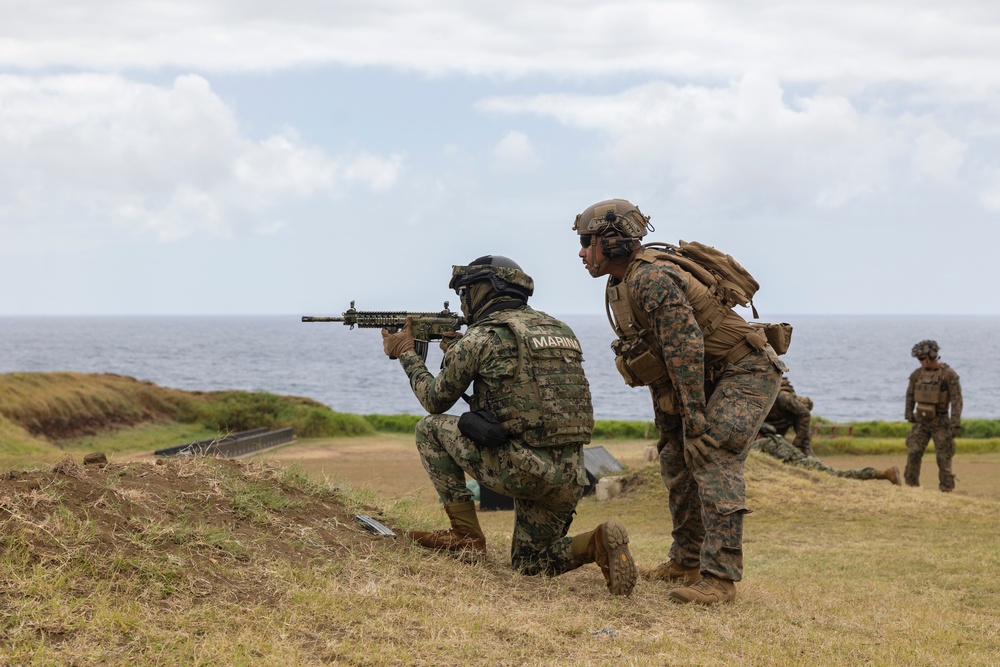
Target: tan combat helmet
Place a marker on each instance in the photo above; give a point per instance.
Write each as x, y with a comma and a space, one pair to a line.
612, 216
618, 223
925, 348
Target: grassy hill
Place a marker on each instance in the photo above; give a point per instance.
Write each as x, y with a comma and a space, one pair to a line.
44, 415
213, 562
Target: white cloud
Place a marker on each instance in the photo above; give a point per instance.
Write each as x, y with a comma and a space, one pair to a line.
939, 155
168, 160
515, 151
749, 144
955, 43
990, 196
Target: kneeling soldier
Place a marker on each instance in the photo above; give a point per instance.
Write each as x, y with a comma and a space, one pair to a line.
530, 415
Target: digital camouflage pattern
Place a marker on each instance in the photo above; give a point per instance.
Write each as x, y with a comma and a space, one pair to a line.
788, 412
545, 482
729, 402
778, 447
943, 428
944, 449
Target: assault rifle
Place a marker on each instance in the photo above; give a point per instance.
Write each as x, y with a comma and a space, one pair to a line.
426, 326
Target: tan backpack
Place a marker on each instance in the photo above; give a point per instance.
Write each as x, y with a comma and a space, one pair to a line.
733, 284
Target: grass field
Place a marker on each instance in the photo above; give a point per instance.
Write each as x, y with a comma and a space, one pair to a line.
211, 562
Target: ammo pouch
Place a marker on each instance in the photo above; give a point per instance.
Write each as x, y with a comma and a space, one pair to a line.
924, 413
638, 365
482, 428
779, 336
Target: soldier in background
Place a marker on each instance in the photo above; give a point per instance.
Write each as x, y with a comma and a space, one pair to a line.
712, 378
774, 444
933, 388
530, 415
792, 411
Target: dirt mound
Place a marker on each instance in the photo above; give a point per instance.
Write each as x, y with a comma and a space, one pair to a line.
191, 513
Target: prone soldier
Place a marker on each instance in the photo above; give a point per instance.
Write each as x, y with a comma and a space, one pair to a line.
772, 443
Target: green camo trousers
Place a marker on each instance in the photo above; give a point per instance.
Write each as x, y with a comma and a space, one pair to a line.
786, 452
546, 485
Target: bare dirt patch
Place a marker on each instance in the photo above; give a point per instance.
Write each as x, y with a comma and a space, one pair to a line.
387, 463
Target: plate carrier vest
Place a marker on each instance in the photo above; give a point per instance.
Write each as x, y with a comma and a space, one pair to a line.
930, 392
637, 352
548, 402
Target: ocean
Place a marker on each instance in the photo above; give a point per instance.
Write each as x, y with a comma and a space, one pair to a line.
855, 368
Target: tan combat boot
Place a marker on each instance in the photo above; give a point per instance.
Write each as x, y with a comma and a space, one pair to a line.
673, 573
710, 590
892, 474
465, 536
607, 545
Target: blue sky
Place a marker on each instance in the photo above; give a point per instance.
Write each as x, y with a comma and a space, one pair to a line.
235, 157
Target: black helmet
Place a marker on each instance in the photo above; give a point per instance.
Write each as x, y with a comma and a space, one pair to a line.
505, 276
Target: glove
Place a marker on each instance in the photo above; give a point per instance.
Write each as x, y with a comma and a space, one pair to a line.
449, 337
910, 419
698, 450
956, 428
395, 344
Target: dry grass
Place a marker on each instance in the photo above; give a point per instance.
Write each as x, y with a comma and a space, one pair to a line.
839, 572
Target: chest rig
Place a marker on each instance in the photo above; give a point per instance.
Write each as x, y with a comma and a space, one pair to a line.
638, 352
930, 392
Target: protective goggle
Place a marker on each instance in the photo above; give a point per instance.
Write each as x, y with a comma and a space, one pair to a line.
585, 240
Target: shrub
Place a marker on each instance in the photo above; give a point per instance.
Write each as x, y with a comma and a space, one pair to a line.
393, 423
623, 430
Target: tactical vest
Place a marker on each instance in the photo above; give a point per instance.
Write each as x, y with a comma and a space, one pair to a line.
638, 356
547, 403
930, 392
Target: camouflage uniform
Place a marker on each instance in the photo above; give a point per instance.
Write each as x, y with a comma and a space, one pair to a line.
777, 446
941, 426
789, 412
728, 400
545, 481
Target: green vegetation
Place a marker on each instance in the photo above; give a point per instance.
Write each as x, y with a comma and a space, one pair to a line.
43, 415
971, 428
393, 423
622, 430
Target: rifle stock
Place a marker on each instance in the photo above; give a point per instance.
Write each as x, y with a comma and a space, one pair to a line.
426, 326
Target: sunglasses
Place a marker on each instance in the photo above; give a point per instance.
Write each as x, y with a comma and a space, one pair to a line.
585, 240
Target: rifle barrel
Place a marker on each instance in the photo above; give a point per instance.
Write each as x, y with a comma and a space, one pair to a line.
306, 318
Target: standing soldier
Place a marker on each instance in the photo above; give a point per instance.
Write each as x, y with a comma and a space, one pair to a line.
712, 377
530, 415
933, 387
792, 411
